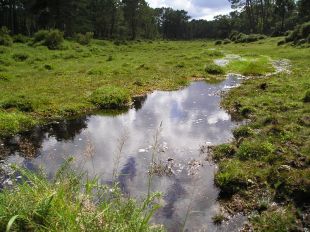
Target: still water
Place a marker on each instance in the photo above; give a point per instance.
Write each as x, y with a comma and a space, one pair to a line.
185, 121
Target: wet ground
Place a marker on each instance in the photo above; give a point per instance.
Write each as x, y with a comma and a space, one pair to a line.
183, 122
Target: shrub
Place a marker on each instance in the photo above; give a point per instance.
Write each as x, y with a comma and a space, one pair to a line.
234, 35
19, 38
40, 36
20, 56
243, 38
214, 69
84, 39
5, 38
254, 150
218, 42
53, 39
305, 30
299, 35
110, 97
226, 41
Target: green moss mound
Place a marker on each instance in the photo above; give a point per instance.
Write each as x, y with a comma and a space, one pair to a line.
110, 97
214, 69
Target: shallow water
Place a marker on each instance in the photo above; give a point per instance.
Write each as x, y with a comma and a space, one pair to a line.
190, 118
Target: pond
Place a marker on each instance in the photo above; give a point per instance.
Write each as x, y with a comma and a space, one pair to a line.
177, 125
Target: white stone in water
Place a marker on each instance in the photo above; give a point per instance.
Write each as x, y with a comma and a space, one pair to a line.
142, 150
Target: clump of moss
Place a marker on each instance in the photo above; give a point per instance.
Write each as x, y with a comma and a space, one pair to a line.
242, 132
214, 69
20, 57
20, 103
306, 98
110, 97
254, 150
230, 178
281, 219
223, 150
13, 122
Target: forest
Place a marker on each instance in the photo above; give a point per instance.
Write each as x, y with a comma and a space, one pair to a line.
132, 19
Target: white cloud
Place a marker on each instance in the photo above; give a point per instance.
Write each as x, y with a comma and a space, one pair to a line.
197, 9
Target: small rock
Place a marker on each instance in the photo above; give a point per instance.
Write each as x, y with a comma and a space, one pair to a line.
284, 168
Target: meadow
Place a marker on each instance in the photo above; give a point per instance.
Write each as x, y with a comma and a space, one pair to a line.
265, 170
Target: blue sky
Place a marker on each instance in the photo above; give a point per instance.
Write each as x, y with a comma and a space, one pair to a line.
197, 9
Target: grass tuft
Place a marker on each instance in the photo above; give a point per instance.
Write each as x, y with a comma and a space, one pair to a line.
71, 202
110, 97
214, 69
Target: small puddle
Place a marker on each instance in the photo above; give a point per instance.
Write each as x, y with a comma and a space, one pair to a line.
190, 118
227, 59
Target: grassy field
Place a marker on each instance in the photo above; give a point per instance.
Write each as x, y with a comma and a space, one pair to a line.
39, 84
266, 168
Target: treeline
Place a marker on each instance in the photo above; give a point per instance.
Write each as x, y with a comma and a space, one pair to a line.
131, 19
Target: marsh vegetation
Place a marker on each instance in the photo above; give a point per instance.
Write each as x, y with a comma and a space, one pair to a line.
227, 100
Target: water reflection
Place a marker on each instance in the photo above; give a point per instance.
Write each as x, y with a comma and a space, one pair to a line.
190, 118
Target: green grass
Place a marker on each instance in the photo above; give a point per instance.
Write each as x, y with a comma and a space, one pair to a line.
71, 202
270, 155
59, 83
110, 97
273, 150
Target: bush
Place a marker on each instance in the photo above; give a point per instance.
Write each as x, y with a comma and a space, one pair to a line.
218, 42
5, 38
20, 56
243, 38
19, 38
226, 41
300, 34
40, 36
84, 39
214, 69
53, 39
110, 97
254, 150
